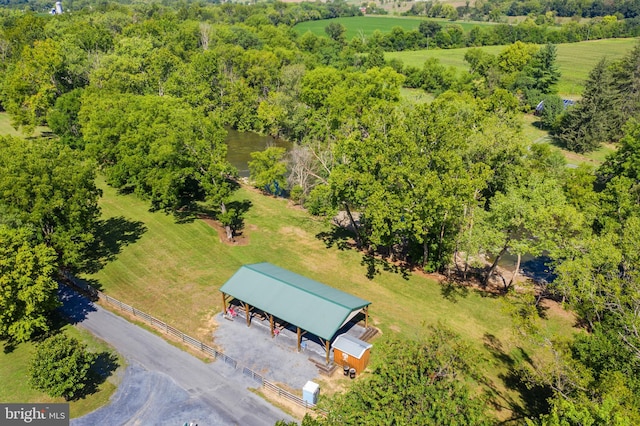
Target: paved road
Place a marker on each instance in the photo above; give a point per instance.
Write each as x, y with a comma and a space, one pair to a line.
164, 385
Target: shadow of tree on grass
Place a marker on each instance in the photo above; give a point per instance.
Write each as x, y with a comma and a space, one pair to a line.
375, 265
337, 236
533, 398
453, 291
111, 235
101, 369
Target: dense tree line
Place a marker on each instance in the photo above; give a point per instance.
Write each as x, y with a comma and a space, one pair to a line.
432, 34
48, 214
495, 9
594, 378
142, 95
413, 383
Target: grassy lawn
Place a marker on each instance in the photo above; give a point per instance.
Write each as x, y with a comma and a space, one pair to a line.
414, 96
14, 376
7, 129
575, 60
366, 25
5, 126
534, 134
173, 271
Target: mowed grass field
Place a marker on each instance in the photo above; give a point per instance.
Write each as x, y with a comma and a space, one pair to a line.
575, 60
7, 129
358, 26
174, 271
14, 367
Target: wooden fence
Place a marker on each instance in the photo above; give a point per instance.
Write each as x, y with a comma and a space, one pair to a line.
194, 343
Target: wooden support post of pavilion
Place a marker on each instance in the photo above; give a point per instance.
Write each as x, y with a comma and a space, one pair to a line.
326, 344
224, 303
366, 316
271, 325
246, 308
300, 334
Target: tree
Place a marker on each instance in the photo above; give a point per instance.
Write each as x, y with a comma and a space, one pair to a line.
525, 219
31, 85
598, 277
553, 107
158, 147
268, 170
27, 284
61, 367
626, 81
421, 383
429, 28
592, 120
62, 118
51, 188
336, 31
544, 69
212, 171
626, 160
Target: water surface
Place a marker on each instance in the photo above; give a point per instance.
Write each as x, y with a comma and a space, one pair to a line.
241, 144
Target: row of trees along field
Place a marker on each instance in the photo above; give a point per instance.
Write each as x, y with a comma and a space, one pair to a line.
434, 34
142, 94
571, 8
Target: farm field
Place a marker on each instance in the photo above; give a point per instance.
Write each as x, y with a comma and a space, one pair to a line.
14, 368
366, 25
575, 60
173, 271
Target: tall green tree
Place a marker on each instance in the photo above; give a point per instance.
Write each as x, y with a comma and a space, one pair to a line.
544, 69
27, 283
336, 31
589, 123
268, 170
31, 84
598, 277
208, 151
626, 82
525, 219
62, 118
50, 187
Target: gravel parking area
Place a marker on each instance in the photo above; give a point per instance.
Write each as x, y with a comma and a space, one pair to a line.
274, 358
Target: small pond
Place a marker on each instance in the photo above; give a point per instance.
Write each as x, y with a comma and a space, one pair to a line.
241, 144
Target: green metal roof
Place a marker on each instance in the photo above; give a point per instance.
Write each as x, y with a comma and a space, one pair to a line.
298, 300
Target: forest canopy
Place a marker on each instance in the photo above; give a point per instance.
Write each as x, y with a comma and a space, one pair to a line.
142, 94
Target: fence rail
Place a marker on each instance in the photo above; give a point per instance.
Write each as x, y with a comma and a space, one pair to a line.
195, 343
286, 394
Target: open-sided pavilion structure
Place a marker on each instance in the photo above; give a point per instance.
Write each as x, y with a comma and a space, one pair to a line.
308, 305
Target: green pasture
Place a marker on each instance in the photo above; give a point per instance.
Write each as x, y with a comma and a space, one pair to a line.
575, 60
14, 375
358, 26
174, 270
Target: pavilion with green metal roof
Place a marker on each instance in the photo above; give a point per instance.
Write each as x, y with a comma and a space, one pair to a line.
308, 305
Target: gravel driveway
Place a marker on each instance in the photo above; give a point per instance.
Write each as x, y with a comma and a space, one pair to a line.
164, 385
